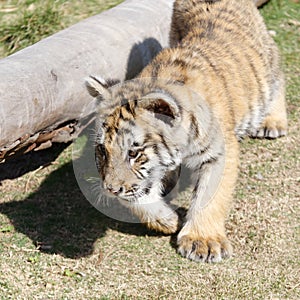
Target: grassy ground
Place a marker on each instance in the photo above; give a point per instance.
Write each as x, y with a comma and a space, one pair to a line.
55, 245
24, 22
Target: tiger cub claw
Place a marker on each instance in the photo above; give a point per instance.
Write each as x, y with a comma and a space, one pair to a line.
271, 133
210, 250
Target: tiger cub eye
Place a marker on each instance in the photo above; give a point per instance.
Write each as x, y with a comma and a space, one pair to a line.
133, 153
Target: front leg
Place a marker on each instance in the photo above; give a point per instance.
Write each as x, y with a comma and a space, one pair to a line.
203, 237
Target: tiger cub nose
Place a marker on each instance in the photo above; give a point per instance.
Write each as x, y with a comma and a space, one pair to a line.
114, 190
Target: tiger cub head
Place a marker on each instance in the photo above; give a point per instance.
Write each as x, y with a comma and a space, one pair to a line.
137, 129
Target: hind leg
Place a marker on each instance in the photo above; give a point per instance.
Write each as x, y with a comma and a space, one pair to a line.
275, 123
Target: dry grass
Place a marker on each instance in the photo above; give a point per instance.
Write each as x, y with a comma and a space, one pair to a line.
54, 245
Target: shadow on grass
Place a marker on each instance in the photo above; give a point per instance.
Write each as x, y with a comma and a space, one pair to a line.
24, 163
58, 219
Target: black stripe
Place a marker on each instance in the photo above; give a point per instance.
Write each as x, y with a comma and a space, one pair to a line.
155, 71
257, 79
110, 132
162, 138
209, 27
140, 174
194, 126
158, 154
178, 62
131, 123
200, 153
155, 149
142, 159
121, 115
148, 137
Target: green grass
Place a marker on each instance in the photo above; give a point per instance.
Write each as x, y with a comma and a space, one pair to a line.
30, 27
25, 22
55, 245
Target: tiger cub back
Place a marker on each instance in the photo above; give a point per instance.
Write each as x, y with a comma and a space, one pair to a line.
220, 80
228, 44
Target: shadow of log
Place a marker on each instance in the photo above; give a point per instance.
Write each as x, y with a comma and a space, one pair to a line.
24, 163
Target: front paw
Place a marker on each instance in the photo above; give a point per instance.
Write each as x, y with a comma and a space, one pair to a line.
168, 224
273, 127
210, 249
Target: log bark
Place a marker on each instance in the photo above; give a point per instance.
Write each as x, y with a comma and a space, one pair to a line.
42, 94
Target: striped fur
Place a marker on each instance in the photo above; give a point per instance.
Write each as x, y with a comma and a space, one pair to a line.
219, 81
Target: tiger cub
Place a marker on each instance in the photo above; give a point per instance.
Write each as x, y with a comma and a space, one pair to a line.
218, 82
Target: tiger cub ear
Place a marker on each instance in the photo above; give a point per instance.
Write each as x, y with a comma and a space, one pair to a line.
161, 104
98, 86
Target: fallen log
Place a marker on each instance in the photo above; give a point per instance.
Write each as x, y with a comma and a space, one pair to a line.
42, 96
